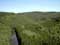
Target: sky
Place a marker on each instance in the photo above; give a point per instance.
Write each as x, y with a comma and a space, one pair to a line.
29, 5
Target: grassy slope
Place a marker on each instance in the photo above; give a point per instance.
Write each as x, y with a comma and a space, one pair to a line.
39, 27
6, 21
32, 27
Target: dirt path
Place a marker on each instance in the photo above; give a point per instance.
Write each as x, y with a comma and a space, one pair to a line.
14, 40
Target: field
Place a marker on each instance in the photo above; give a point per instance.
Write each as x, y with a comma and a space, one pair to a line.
34, 28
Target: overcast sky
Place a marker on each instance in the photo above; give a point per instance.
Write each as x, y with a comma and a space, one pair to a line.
29, 5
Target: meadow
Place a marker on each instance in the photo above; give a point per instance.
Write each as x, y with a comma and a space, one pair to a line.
34, 28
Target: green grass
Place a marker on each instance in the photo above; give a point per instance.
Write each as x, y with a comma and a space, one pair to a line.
34, 28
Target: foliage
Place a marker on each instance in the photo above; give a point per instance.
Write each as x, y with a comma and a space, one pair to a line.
34, 28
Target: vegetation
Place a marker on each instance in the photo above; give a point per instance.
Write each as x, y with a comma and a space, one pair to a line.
34, 28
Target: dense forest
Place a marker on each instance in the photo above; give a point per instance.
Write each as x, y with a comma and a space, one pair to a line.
33, 28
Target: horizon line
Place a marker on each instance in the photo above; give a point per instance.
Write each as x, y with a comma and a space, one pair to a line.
27, 11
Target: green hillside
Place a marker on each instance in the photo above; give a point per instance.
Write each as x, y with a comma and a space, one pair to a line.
34, 28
